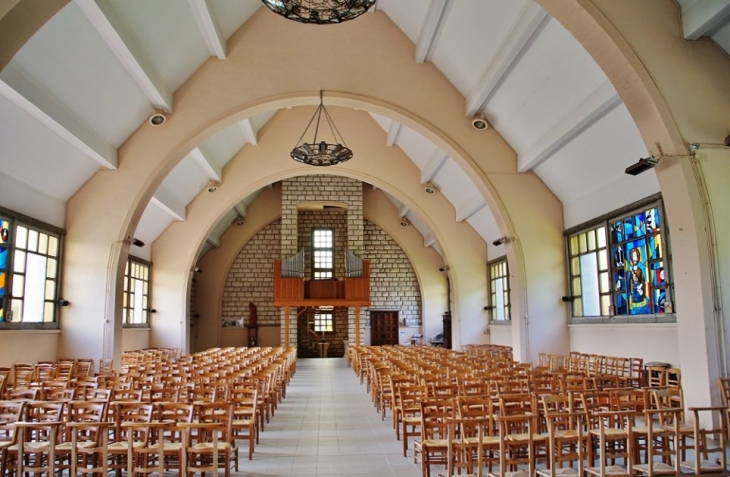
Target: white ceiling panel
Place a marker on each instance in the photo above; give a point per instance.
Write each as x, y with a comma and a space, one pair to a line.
552, 77
167, 31
25, 198
484, 224
470, 38
382, 121
258, 121
221, 148
185, 181
417, 147
231, 14
596, 158
154, 221
33, 154
407, 14
86, 77
454, 184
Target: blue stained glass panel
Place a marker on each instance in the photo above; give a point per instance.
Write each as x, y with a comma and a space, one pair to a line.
655, 247
618, 256
658, 278
637, 277
621, 304
652, 221
639, 225
619, 281
616, 232
4, 258
659, 301
628, 228
2, 285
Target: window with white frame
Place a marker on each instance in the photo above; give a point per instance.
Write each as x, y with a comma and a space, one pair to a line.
136, 296
30, 255
499, 299
323, 253
324, 320
620, 265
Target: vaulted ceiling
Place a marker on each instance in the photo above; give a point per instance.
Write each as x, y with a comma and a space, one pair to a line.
98, 69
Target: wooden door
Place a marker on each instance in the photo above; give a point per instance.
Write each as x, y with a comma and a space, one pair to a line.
383, 327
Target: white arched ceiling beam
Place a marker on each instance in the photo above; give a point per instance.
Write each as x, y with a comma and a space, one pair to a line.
431, 27
393, 85
374, 162
208, 25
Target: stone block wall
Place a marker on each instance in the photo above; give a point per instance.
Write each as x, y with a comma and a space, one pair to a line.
251, 279
393, 283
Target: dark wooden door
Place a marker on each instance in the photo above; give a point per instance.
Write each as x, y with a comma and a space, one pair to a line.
383, 328
447, 330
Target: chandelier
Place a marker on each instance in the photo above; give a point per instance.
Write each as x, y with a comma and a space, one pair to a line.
320, 12
321, 153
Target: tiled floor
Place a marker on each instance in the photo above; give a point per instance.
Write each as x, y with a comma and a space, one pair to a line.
327, 425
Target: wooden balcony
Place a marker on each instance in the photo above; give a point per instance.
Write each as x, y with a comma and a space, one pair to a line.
304, 292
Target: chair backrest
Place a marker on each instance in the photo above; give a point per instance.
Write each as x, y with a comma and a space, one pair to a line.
22, 375
220, 413
435, 414
58, 394
10, 413
23, 394
84, 367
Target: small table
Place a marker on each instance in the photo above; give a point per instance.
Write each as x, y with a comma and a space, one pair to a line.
323, 346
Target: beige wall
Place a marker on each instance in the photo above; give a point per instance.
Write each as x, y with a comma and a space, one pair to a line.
29, 347
135, 338
651, 342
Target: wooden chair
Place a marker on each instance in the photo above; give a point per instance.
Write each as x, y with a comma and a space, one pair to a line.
128, 413
85, 439
566, 433
612, 441
479, 440
84, 368
244, 426
10, 413
518, 444
408, 413
170, 437
432, 448
37, 438
202, 449
701, 464
662, 441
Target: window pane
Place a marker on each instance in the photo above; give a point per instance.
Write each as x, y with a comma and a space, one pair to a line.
21, 237
48, 311
583, 243
52, 246
603, 259
137, 302
16, 309
637, 277
606, 305
601, 235
51, 268
18, 282
43, 244
576, 286
603, 280
574, 245
591, 240
35, 285
575, 266
499, 305
589, 284
19, 262
32, 240
50, 290
577, 307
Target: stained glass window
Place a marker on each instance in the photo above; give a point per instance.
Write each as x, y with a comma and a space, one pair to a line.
136, 294
4, 263
323, 321
639, 281
499, 292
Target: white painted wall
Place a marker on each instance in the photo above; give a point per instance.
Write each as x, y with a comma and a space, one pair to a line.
500, 334
28, 346
652, 341
135, 338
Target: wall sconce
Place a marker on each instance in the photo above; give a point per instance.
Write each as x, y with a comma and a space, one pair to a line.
152, 310
488, 307
198, 270
63, 302
500, 241
568, 299
642, 165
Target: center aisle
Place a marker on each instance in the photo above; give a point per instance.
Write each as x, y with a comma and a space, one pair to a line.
327, 425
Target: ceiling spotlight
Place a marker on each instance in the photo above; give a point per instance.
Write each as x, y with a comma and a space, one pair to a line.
157, 118
500, 241
213, 186
642, 165
479, 122
239, 221
404, 222
430, 188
